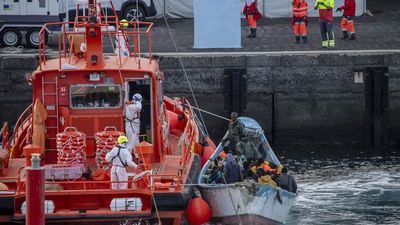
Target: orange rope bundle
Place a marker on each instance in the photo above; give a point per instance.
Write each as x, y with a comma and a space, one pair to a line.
105, 141
71, 147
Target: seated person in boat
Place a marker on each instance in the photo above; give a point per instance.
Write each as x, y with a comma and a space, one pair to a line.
247, 148
235, 132
260, 163
232, 171
221, 162
120, 157
286, 181
215, 175
264, 177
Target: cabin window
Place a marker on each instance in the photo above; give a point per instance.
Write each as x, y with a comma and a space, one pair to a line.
95, 96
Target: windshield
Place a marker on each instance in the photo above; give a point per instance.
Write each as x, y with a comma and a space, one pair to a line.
95, 96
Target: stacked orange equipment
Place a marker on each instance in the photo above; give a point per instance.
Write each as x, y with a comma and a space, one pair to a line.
105, 141
71, 146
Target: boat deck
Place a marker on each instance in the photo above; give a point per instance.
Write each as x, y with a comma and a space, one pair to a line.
11, 173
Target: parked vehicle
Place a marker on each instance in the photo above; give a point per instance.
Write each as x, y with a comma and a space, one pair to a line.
25, 16
126, 9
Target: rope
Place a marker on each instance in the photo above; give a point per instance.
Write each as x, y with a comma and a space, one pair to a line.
210, 113
71, 148
105, 142
230, 196
184, 70
151, 191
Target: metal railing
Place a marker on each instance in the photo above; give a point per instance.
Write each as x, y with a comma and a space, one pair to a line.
63, 51
22, 126
85, 185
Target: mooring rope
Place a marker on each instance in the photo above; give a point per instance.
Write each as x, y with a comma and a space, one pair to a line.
184, 70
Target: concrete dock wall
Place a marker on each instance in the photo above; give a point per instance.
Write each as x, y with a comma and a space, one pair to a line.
299, 99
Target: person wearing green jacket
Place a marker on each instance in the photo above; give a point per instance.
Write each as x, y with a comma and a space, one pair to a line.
325, 8
235, 132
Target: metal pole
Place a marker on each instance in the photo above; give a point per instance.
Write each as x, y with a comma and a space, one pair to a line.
165, 8
365, 6
67, 14
35, 192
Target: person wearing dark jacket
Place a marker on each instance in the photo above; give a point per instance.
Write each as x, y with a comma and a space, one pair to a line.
232, 170
287, 182
235, 132
349, 11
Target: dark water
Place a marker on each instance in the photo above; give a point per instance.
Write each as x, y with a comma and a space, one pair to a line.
361, 189
341, 189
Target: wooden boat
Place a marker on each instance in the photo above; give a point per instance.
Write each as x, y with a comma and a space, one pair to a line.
247, 202
83, 94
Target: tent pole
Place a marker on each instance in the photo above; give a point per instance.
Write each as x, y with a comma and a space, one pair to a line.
165, 8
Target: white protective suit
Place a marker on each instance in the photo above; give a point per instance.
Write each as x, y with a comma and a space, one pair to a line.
120, 45
132, 125
119, 162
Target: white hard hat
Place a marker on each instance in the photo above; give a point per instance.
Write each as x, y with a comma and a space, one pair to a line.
137, 97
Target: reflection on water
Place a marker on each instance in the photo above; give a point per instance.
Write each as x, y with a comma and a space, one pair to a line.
360, 190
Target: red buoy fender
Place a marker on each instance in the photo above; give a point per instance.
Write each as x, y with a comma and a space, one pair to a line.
198, 212
207, 152
173, 120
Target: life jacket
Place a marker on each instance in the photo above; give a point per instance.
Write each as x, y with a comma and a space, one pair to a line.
349, 8
266, 179
300, 8
266, 167
118, 155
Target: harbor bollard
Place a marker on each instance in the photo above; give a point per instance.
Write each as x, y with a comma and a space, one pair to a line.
35, 192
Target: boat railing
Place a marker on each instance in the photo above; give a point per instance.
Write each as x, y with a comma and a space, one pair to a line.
4, 136
172, 182
22, 126
186, 141
132, 37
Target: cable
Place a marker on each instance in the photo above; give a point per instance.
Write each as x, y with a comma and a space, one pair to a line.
184, 70
138, 29
151, 191
210, 113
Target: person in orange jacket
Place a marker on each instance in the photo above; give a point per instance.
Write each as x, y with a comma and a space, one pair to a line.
252, 15
349, 11
300, 19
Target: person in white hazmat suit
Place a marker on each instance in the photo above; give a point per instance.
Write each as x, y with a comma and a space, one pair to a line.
121, 40
132, 122
120, 158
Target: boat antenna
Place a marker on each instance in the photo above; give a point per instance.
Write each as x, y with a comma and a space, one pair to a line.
138, 28
184, 70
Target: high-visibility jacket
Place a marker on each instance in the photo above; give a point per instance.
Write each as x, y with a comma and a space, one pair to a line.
349, 8
250, 7
325, 13
300, 8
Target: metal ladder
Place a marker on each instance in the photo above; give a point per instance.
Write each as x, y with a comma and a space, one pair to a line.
50, 102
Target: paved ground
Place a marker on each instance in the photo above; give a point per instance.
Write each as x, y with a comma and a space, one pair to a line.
381, 31
378, 32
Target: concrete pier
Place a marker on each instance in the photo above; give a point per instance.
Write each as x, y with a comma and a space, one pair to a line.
300, 98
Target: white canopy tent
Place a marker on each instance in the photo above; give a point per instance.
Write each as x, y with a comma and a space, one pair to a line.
269, 8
